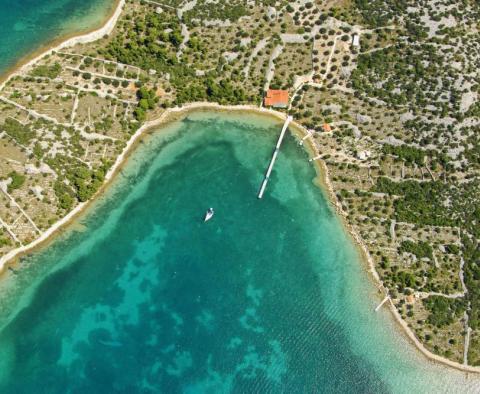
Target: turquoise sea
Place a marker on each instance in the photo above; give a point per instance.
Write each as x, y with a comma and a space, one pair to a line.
270, 296
27, 25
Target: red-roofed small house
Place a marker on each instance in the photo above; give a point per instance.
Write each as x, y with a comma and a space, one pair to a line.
276, 98
327, 128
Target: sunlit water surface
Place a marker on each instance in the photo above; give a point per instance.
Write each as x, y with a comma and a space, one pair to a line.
270, 296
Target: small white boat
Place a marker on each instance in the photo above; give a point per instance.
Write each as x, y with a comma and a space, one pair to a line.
209, 214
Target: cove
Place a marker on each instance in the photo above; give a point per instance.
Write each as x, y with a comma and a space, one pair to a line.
28, 25
270, 296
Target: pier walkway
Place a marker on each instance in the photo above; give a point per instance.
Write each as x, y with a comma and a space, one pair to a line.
274, 157
308, 135
383, 302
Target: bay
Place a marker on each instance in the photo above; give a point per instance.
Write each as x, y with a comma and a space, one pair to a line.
271, 295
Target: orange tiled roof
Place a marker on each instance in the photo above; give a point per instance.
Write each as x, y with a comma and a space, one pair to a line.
410, 299
326, 127
276, 98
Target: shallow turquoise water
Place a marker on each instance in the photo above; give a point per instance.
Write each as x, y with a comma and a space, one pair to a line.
268, 297
26, 25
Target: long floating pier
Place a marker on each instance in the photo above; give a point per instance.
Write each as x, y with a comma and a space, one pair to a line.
274, 157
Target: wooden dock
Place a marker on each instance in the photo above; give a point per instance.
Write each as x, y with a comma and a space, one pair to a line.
274, 157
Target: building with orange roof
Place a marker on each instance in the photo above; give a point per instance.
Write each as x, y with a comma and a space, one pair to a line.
326, 127
410, 299
276, 98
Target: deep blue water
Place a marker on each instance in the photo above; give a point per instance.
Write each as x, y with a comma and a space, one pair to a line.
269, 296
27, 25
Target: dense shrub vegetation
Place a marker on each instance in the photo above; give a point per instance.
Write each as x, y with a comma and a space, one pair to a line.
23, 134
420, 202
443, 310
420, 249
51, 72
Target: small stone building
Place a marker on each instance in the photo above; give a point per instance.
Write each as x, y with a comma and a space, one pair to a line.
276, 98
